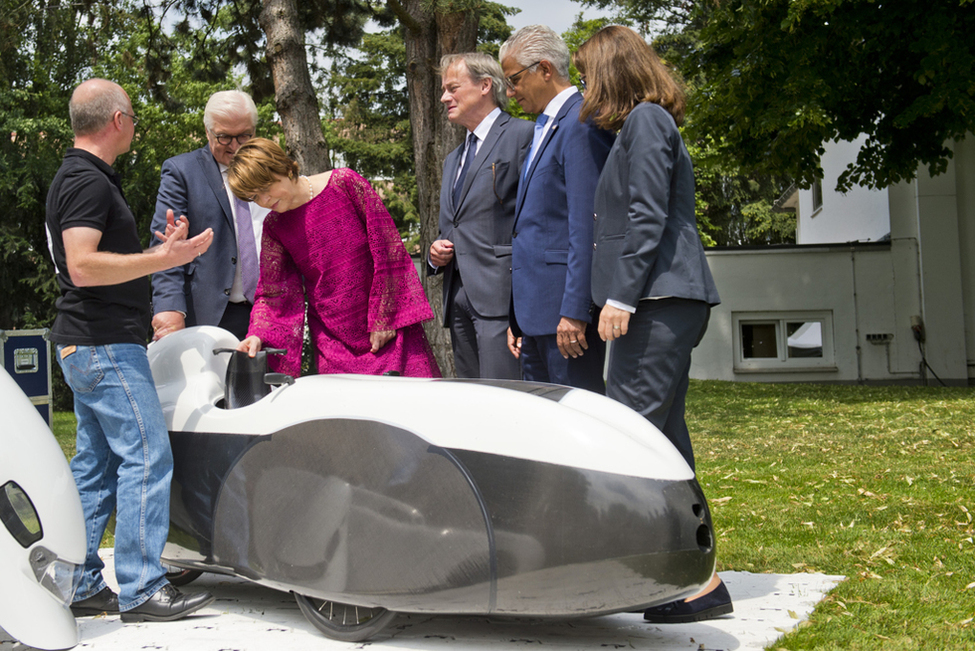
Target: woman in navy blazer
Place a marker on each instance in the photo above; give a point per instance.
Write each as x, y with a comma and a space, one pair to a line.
650, 276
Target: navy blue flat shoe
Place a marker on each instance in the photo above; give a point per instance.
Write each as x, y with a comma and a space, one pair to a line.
713, 604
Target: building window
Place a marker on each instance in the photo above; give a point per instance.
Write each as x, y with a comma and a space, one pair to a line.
817, 195
759, 340
783, 341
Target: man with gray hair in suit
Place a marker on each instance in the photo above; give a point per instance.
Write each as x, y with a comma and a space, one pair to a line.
477, 210
551, 308
218, 288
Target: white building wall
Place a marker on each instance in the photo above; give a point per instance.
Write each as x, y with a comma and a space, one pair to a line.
942, 306
860, 215
964, 162
871, 292
856, 286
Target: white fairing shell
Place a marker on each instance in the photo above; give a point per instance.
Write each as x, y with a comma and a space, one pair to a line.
581, 429
33, 609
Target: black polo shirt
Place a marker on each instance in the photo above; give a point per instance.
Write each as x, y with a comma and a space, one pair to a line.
86, 192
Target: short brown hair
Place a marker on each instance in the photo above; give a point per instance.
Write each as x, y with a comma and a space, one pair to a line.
479, 66
621, 71
257, 164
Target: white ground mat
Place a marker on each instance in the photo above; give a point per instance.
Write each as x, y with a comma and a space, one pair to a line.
247, 617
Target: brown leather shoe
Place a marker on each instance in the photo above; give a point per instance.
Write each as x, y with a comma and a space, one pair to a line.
167, 605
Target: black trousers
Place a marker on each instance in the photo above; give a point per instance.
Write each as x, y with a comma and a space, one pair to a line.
236, 319
649, 367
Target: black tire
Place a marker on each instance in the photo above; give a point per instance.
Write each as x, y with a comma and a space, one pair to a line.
344, 622
179, 577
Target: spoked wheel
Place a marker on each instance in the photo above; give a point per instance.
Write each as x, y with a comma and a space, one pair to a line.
178, 576
344, 621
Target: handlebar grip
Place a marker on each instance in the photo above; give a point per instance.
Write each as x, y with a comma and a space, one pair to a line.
269, 351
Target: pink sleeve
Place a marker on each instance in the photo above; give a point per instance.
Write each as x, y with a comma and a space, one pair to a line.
396, 298
278, 317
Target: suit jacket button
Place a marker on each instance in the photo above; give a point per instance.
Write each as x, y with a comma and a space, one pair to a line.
594, 216
593, 246
233, 260
226, 292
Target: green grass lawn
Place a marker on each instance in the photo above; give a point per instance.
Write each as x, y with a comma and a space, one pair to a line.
875, 483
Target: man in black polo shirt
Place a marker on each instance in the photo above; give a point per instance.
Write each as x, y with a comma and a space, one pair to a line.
123, 461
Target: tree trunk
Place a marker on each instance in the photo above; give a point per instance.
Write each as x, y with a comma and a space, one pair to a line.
294, 96
428, 37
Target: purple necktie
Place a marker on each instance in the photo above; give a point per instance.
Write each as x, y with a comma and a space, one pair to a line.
246, 249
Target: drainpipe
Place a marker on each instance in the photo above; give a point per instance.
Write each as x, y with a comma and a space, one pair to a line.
856, 315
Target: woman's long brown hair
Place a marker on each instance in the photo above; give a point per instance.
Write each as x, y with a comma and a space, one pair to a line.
621, 70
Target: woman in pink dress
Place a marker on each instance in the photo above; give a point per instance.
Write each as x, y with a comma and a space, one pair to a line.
330, 239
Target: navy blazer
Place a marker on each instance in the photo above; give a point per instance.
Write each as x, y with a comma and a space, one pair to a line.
192, 185
646, 239
480, 226
552, 240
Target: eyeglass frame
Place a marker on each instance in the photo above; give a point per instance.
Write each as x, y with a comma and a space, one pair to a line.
229, 138
511, 80
135, 120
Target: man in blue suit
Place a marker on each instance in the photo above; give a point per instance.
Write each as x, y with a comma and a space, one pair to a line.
552, 310
218, 287
477, 210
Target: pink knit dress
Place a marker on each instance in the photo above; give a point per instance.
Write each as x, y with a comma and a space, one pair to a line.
342, 251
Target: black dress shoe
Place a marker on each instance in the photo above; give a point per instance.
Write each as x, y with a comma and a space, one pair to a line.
167, 605
103, 601
713, 604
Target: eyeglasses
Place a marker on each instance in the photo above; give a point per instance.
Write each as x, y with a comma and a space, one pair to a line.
582, 82
513, 79
135, 120
225, 139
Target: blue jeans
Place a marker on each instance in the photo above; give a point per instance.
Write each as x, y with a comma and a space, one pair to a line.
123, 463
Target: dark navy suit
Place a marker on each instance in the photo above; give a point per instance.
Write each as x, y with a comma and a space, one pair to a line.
192, 185
648, 255
552, 248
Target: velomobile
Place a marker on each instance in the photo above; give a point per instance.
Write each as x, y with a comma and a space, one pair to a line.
370, 496
42, 527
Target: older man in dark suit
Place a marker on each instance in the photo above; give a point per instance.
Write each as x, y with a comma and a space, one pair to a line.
218, 287
552, 309
477, 210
